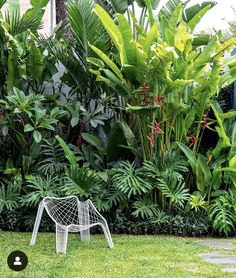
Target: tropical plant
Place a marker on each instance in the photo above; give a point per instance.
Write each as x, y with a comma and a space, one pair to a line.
130, 180
22, 61
9, 196
144, 208
162, 75
38, 187
222, 212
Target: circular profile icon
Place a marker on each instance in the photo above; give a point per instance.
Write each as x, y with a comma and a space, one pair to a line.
17, 260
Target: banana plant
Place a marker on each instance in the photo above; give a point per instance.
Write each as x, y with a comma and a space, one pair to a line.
167, 82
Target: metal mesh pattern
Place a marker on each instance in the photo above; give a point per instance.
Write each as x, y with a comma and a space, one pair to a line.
71, 215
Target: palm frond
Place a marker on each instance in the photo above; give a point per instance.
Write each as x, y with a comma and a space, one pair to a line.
86, 27
19, 24
53, 158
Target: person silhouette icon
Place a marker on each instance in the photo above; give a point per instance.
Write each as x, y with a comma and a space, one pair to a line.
17, 261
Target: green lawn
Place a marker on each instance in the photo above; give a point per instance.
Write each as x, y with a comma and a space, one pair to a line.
133, 256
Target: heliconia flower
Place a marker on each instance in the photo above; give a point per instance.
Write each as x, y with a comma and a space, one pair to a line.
151, 138
206, 121
192, 139
79, 141
158, 100
145, 88
157, 128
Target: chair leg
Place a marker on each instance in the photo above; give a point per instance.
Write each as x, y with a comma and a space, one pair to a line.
107, 234
37, 223
61, 239
84, 221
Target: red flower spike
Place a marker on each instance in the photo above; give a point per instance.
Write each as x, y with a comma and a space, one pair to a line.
157, 128
206, 121
145, 88
158, 100
192, 139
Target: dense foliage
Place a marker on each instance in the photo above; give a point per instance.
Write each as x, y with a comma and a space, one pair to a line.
125, 123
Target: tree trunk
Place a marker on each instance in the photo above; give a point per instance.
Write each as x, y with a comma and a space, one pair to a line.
60, 11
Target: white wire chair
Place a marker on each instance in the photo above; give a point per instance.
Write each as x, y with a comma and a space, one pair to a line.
70, 215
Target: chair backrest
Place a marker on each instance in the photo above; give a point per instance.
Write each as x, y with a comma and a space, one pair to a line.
63, 211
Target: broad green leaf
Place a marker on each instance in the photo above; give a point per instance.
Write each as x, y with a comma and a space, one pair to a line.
228, 77
128, 42
176, 16
108, 61
216, 180
68, 153
28, 127
197, 18
152, 37
232, 162
220, 129
112, 30
116, 84
96, 62
92, 140
189, 154
181, 37
37, 136
35, 64
120, 6
205, 168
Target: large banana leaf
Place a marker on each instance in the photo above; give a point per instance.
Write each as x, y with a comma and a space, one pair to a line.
198, 16
112, 30
120, 6
191, 15
35, 64
128, 42
220, 128
108, 61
